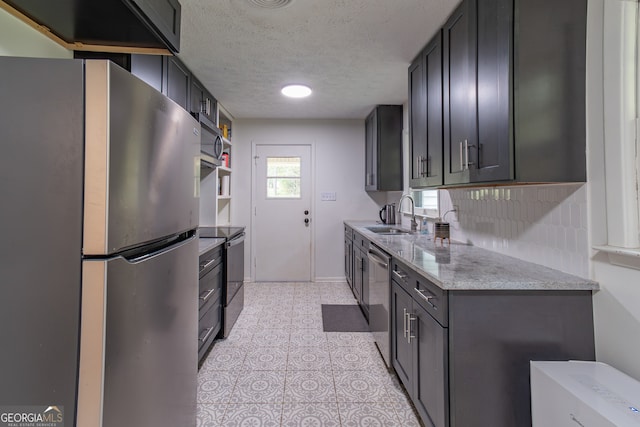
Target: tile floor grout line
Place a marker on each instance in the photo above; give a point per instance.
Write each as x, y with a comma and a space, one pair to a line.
331, 347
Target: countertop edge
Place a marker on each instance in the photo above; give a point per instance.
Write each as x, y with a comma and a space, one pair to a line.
565, 282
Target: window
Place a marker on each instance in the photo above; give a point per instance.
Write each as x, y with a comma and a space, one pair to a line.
426, 203
620, 113
283, 178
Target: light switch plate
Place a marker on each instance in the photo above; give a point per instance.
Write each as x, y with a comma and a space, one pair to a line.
328, 196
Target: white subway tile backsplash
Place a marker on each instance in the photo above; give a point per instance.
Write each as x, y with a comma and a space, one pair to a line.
543, 224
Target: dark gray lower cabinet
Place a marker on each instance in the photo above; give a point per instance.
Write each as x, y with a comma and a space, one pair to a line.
361, 279
419, 356
361, 272
463, 356
493, 337
211, 278
431, 388
402, 356
348, 255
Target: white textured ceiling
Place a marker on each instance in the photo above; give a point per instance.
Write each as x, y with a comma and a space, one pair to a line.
353, 53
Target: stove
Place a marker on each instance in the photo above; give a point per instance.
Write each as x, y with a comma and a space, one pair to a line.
224, 232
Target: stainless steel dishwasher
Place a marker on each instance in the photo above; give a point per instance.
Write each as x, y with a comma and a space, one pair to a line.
379, 296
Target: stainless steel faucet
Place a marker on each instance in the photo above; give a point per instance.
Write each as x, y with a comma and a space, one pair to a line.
414, 224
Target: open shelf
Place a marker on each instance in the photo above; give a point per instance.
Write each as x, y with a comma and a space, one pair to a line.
215, 208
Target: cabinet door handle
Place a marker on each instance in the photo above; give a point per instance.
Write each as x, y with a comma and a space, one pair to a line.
466, 154
469, 163
402, 277
427, 298
417, 167
461, 157
207, 295
208, 264
207, 335
410, 319
404, 320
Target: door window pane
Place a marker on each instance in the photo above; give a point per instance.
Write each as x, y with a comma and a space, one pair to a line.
283, 178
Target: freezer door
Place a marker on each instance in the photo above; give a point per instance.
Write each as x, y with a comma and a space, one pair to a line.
142, 162
139, 340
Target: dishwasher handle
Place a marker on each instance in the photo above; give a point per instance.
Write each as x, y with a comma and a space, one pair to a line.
373, 256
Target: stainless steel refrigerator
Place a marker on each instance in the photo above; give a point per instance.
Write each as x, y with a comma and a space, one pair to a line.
99, 251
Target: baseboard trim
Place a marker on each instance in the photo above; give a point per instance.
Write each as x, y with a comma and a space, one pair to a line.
339, 279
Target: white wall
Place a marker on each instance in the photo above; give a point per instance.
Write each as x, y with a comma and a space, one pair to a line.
19, 39
541, 224
338, 146
617, 304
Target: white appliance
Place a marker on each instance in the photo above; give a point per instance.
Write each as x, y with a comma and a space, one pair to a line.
588, 394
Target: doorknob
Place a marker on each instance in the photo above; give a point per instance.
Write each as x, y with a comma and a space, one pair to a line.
306, 212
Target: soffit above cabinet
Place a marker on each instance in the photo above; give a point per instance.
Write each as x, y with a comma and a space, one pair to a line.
145, 26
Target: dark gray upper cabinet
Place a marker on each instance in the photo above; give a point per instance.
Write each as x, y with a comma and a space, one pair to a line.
383, 149
148, 68
168, 75
490, 158
425, 115
152, 24
178, 82
459, 84
513, 93
162, 17
478, 141
549, 90
202, 102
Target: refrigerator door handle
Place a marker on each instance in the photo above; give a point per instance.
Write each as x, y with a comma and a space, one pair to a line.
160, 248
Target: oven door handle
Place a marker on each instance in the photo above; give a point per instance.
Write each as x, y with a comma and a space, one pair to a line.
236, 240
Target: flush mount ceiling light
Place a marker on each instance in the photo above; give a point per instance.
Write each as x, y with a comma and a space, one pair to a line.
269, 4
296, 91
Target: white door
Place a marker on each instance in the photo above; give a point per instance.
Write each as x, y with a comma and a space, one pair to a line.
282, 213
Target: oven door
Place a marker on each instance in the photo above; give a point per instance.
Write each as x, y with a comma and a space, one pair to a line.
235, 266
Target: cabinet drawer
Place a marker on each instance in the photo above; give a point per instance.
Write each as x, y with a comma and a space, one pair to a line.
428, 295
205, 306
360, 242
401, 274
432, 298
209, 326
348, 232
210, 259
210, 286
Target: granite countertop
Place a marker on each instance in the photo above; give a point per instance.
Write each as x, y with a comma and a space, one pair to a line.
458, 266
207, 243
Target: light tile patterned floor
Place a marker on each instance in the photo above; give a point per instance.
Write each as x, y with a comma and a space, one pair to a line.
278, 368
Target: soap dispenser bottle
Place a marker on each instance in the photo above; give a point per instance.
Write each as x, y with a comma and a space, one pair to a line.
424, 227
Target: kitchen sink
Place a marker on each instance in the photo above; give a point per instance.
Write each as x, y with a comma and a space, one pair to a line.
387, 230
